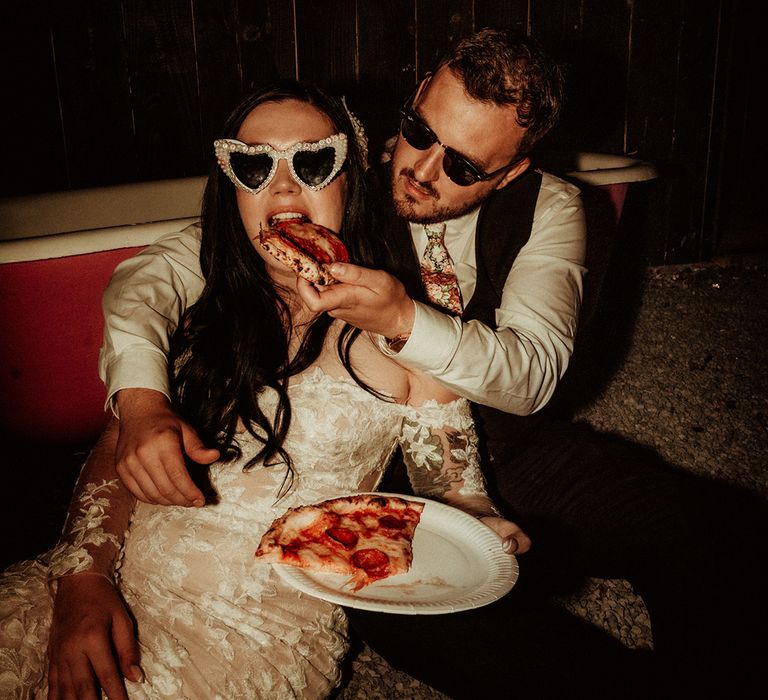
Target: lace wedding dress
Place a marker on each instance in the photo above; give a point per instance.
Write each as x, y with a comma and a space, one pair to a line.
212, 621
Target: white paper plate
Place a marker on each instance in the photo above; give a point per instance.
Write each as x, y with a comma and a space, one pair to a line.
458, 564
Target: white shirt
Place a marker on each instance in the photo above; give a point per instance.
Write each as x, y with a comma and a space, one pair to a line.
142, 305
514, 367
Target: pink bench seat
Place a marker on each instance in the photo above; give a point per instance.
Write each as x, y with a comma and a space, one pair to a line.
50, 315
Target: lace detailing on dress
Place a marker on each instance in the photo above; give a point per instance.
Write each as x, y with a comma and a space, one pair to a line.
211, 601
84, 533
212, 621
443, 458
25, 622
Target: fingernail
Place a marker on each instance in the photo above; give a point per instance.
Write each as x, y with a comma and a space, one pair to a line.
337, 269
138, 674
509, 545
198, 502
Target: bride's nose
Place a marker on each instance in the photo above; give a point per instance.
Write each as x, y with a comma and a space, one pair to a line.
283, 182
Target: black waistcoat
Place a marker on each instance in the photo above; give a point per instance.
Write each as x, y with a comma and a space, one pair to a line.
503, 227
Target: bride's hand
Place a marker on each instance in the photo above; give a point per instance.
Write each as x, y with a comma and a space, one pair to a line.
513, 539
92, 643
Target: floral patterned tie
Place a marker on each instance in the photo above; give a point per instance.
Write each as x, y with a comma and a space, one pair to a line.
437, 272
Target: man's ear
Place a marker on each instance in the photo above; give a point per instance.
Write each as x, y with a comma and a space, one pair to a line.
514, 172
422, 87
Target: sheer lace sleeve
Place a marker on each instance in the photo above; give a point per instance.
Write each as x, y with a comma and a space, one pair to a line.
98, 516
440, 448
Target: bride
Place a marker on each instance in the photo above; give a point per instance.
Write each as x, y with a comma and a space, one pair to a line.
148, 601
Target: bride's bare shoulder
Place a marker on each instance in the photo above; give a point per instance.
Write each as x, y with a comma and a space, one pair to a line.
385, 374
423, 388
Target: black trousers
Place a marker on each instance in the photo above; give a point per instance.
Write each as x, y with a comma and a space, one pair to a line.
596, 505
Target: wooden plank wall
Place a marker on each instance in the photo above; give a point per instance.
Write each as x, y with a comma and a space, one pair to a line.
102, 92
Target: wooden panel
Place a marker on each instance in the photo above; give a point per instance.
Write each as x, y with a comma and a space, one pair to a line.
597, 78
387, 65
556, 22
125, 90
161, 61
512, 14
651, 107
667, 122
239, 44
266, 40
94, 92
653, 78
693, 127
441, 23
737, 194
590, 38
326, 38
32, 136
219, 73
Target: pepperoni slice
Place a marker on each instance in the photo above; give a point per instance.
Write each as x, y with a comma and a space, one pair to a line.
369, 559
342, 535
392, 522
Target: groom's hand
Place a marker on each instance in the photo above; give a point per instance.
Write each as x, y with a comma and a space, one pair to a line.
151, 447
369, 299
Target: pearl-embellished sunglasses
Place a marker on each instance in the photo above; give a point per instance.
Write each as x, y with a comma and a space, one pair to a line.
252, 167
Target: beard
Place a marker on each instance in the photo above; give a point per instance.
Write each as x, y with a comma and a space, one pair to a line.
405, 205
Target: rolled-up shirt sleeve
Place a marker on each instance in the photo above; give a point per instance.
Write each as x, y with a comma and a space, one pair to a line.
142, 305
516, 366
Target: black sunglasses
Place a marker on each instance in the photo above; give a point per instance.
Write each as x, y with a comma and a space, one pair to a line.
457, 167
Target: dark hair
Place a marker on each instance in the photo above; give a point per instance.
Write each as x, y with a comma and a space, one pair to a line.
231, 346
495, 65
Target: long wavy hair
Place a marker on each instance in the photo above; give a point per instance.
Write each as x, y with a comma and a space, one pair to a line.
232, 344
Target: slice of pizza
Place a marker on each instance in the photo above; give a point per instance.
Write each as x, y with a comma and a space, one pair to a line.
308, 249
368, 536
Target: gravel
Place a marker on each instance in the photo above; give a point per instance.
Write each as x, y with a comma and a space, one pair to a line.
694, 384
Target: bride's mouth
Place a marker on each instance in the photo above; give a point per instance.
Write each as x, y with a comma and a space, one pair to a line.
298, 217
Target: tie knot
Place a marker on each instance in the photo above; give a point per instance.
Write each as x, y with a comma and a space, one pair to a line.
435, 232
